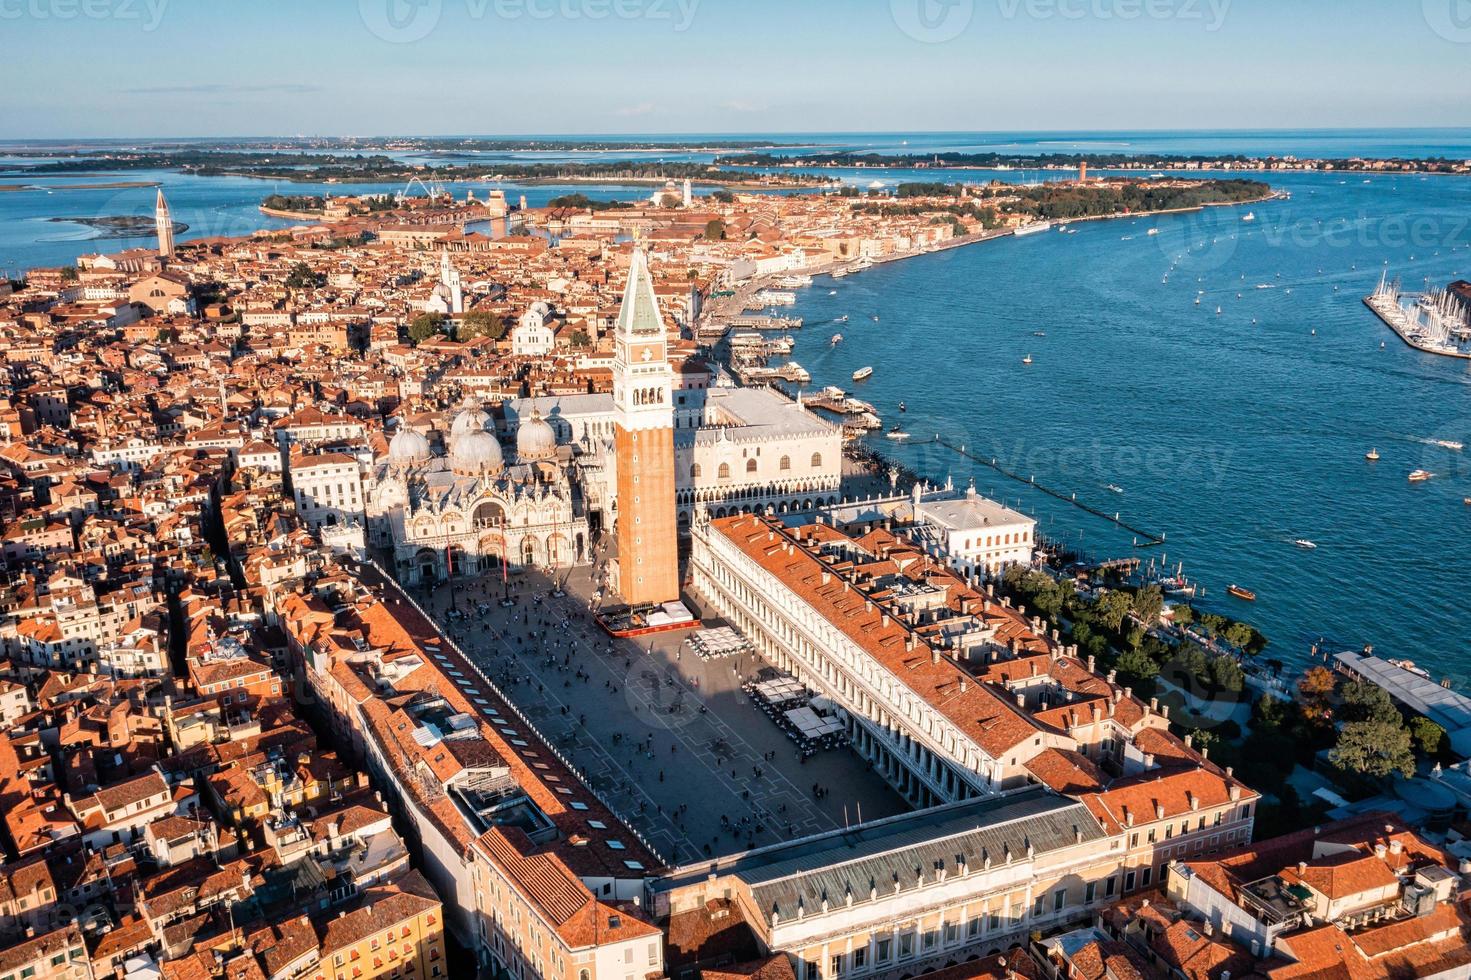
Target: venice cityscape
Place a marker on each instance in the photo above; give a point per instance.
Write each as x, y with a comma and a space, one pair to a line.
697, 490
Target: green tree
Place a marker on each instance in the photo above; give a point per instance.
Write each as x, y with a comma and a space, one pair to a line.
1271, 714
1239, 635
69, 273
1148, 602
1111, 608
302, 277
1227, 675
580, 339
1427, 734
1138, 666
723, 196
1374, 748
715, 230
479, 323
1367, 702
1184, 615
424, 326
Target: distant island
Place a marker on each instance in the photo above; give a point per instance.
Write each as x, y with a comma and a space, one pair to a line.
350, 144
339, 168
1101, 161
121, 226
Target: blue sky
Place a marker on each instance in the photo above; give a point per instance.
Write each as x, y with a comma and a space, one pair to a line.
80, 68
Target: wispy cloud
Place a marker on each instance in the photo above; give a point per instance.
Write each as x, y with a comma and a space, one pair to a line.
741, 105
642, 109
220, 88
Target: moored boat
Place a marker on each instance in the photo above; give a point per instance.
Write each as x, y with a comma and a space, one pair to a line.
1372, 455
1410, 665
1240, 593
863, 374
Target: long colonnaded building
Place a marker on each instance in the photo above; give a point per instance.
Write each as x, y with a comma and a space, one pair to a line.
964, 703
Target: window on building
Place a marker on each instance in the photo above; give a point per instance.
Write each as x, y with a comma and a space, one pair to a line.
1129, 882
836, 966
785, 464
884, 950
1059, 899
816, 460
724, 471
1089, 892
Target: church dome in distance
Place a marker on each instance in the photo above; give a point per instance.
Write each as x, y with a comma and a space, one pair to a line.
470, 420
536, 440
475, 452
408, 446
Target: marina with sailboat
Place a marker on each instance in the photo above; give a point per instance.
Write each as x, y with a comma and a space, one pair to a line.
1437, 321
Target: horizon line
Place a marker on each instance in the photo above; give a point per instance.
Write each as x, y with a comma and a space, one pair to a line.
628, 135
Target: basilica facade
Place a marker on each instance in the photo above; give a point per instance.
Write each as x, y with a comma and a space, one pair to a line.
468, 510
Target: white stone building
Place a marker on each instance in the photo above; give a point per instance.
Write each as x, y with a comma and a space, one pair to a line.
977, 535
328, 489
532, 337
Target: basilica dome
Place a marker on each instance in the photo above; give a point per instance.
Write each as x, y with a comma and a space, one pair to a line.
536, 440
470, 420
408, 446
475, 452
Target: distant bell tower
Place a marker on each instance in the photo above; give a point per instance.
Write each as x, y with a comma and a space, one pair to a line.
1083, 172
165, 226
643, 396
